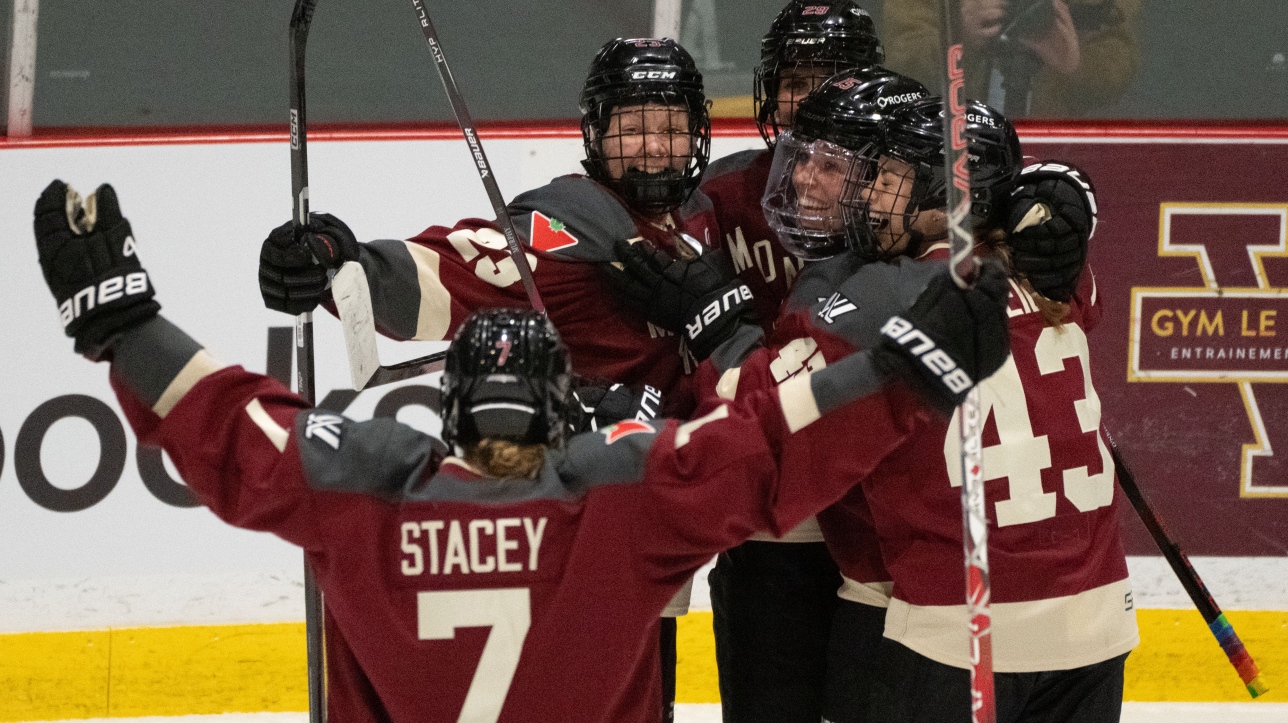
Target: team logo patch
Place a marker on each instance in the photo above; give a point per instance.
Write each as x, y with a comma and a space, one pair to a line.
626, 429
549, 234
834, 306
325, 427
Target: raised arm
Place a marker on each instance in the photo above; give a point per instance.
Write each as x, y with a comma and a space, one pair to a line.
249, 449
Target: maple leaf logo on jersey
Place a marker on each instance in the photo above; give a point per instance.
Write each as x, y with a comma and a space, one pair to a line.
549, 234
626, 429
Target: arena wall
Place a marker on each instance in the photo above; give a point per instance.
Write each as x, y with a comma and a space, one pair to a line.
118, 597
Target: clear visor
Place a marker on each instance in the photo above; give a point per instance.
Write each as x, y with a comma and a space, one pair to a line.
810, 189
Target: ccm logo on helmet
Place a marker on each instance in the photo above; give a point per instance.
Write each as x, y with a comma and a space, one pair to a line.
935, 359
107, 290
712, 311
900, 99
652, 75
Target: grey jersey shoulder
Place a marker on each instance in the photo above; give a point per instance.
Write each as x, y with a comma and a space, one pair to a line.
732, 163
573, 217
381, 456
856, 306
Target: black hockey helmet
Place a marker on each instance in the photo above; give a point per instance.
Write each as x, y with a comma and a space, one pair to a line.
820, 37
508, 376
914, 134
633, 72
836, 130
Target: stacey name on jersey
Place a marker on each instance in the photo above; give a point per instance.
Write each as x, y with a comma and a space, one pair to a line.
477, 546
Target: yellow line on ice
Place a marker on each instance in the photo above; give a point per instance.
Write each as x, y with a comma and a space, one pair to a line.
136, 672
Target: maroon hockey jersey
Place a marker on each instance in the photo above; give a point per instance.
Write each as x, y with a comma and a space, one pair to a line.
735, 184
469, 598
423, 288
1061, 597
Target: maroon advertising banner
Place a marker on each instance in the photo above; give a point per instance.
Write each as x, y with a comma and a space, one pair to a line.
1191, 359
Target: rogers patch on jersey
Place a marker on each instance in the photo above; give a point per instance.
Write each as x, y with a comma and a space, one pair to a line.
626, 429
549, 234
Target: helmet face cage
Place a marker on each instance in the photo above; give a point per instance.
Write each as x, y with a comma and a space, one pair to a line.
913, 144
881, 219
807, 43
811, 183
779, 89
645, 126
507, 376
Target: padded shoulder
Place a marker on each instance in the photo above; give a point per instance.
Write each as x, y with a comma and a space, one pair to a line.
573, 217
732, 163
380, 456
613, 455
857, 306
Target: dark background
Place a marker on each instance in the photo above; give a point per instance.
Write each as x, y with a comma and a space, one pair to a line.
224, 62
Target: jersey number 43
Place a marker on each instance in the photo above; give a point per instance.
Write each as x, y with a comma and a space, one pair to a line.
1021, 456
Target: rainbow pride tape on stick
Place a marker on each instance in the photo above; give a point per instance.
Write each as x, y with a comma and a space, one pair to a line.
1238, 655
1188, 577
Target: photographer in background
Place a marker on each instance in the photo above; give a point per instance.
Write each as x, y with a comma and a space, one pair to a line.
1036, 58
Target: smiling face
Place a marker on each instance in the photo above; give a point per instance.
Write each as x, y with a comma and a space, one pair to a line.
819, 179
648, 137
894, 222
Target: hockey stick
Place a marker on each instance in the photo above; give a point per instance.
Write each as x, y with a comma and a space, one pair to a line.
1190, 580
471, 134
352, 297
301, 18
963, 268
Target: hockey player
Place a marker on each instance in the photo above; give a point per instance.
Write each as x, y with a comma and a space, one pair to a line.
1062, 614
522, 532
646, 135
806, 44
828, 316
774, 598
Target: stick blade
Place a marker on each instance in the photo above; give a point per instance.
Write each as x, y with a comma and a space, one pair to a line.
353, 303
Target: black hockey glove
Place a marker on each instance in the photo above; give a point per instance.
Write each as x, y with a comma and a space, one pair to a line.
1052, 217
699, 297
662, 288
88, 255
951, 338
602, 405
293, 264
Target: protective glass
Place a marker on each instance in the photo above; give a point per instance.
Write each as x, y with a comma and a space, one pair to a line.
810, 186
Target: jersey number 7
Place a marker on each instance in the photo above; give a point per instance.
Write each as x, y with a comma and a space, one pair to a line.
1020, 456
508, 612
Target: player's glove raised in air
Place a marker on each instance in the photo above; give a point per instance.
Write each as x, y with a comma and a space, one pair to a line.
90, 261
700, 298
293, 263
605, 404
1052, 217
951, 339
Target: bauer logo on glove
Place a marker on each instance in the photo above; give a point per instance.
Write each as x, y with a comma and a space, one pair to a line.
936, 360
88, 256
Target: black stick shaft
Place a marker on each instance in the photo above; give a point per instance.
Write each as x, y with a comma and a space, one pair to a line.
1179, 562
471, 134
301, 18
